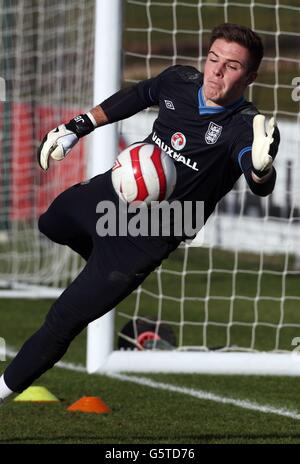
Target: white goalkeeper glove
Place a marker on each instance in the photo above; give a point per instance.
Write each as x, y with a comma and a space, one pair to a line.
59, 142
265, 145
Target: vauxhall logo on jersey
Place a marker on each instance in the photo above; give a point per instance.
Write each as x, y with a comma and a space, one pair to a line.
176, 156
213, 133
178, 141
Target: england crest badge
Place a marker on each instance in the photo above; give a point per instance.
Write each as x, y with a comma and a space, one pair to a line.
213, 133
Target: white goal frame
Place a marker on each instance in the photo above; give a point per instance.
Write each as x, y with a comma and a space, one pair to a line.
100, 355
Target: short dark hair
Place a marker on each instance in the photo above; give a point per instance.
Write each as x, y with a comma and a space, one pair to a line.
244, 36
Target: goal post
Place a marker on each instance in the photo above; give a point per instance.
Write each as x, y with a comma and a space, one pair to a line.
107, 81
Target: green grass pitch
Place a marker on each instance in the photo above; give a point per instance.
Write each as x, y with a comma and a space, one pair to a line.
144, 415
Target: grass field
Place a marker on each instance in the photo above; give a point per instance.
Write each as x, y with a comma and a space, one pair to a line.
141, 414
202, 409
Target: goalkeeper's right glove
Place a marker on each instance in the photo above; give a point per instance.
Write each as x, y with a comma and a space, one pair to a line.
59, 141
265, 145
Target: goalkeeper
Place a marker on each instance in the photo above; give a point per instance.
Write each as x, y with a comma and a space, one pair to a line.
219, 136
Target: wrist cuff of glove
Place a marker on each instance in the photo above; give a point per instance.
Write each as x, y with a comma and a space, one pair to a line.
261, 174
81, 125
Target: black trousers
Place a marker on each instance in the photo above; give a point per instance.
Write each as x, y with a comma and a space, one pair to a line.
115, 266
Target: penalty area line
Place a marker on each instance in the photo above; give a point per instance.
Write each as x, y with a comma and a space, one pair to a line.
199, 394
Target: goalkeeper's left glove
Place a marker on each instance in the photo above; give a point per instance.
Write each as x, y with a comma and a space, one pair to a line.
265, 145
59, 141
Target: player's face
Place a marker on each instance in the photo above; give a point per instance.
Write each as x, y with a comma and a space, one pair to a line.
226, 73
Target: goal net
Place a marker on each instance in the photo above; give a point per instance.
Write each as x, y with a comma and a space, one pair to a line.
236, 288
46, 62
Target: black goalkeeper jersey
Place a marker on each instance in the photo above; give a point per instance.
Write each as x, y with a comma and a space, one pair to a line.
210, 146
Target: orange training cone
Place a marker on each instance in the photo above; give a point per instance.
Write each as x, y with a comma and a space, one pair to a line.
90, 404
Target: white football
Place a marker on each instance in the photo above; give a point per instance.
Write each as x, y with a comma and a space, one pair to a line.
143, 173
